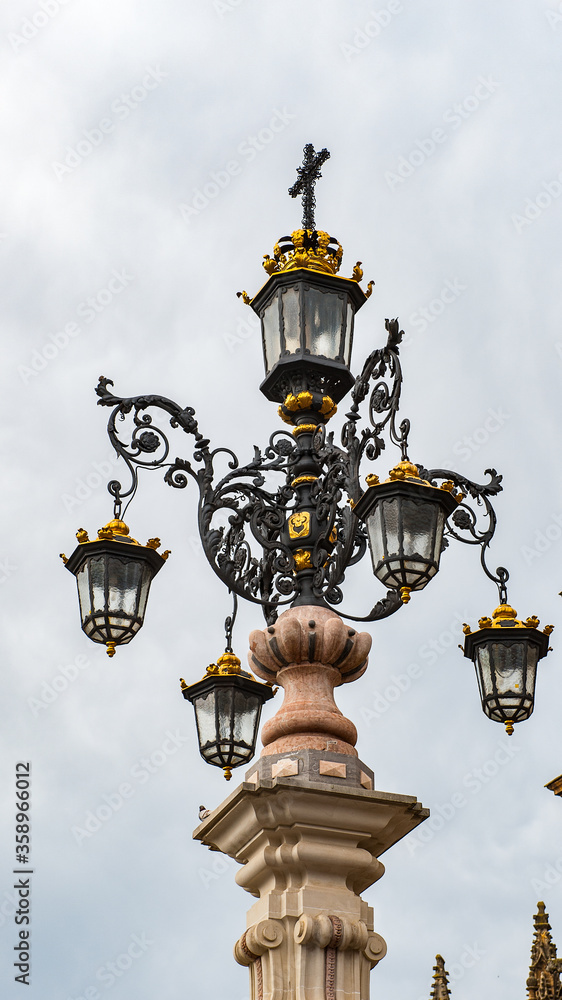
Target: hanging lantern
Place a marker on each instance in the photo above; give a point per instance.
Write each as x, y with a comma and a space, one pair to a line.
228, 703
505, 652
113, 573
405, 518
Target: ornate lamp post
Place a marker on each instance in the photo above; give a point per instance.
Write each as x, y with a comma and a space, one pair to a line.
307, 823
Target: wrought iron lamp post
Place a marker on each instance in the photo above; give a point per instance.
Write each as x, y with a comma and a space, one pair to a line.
292, 546
307, 824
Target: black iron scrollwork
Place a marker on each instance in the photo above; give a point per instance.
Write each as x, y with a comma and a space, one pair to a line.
384, 368
466, 518
240, 496
243, 520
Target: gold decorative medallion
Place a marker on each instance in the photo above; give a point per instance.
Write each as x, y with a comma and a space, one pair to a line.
303, 559
299, 524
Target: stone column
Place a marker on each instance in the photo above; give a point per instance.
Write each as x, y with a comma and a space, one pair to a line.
307, 825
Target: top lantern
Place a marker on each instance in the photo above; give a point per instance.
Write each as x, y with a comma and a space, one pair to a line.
306, 312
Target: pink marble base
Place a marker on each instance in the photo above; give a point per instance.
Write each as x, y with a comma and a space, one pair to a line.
309, 652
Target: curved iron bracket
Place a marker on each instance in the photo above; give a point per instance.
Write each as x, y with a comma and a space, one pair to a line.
465, 518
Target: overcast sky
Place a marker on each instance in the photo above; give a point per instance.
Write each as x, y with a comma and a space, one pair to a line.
147, 152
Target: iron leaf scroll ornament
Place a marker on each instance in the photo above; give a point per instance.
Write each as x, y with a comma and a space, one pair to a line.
466, 518
231, 512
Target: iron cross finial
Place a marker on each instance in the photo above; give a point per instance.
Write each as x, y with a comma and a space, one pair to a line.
308, 174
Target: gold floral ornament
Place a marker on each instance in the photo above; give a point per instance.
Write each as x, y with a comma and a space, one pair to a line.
307, 401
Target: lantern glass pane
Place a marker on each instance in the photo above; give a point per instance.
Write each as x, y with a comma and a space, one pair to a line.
506, 671
205, 715
376, 536
145, 587
323, 320
97, 582
291, 320
123, 585
508, 666
225, 698
83, 581
246, 708
419, 527
348, 335
405, 537
271, 334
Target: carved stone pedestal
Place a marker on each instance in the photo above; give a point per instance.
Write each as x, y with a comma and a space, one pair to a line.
307, 825
308, 849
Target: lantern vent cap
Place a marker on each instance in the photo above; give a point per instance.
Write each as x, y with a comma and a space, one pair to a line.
117, 531
406, 472
227, 665
506, 617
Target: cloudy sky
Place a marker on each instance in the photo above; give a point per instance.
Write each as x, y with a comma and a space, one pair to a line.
147, 152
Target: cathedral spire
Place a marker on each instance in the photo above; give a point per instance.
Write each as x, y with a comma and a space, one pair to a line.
544, 972
440, 989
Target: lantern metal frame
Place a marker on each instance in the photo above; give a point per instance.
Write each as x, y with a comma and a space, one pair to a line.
224, 752
301, 367
408, 489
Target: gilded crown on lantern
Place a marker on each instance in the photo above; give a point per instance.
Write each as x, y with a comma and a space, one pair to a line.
314, 249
